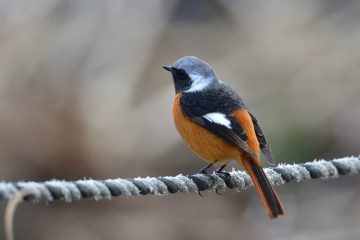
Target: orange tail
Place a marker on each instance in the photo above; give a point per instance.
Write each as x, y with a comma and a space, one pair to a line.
269, 198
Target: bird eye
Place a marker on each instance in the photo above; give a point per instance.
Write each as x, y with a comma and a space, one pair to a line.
182, 74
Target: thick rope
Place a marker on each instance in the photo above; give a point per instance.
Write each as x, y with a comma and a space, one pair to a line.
159, 186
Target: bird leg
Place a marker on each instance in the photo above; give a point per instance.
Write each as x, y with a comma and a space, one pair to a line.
203, 170
219, 170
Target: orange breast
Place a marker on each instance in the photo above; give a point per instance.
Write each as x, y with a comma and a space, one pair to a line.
207, 145
243, 118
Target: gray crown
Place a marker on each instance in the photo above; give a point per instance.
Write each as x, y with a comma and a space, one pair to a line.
193, 65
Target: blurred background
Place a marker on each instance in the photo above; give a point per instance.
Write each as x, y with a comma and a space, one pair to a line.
83, 95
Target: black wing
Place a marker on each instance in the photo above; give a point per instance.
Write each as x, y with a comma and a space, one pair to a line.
264, 145
220, 99
235, 134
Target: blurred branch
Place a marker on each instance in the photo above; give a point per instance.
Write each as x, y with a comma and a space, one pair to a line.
10, 212
239, 180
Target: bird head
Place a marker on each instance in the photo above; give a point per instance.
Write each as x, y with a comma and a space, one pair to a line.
191, 74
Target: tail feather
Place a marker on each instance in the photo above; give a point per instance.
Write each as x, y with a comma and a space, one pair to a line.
268, 196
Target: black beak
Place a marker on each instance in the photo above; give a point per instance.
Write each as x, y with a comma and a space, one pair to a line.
168, 68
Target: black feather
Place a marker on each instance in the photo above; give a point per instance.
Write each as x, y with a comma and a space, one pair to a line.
270, 196
264, 145
219, 98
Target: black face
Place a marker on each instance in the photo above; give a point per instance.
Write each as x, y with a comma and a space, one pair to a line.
182, 80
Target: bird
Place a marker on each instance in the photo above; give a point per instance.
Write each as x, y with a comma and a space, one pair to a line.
215, 123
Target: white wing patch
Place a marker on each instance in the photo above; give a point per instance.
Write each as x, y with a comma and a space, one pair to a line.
218, 118
199, 83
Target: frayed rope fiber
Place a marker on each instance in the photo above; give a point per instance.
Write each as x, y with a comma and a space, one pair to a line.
75, 190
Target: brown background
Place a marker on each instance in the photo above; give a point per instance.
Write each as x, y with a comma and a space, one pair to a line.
82, 94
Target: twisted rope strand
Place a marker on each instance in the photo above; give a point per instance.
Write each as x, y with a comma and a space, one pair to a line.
98, 189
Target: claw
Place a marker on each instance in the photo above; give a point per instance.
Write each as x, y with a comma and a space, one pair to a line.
224, 175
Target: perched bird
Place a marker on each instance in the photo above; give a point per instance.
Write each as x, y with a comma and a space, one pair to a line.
213, 120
